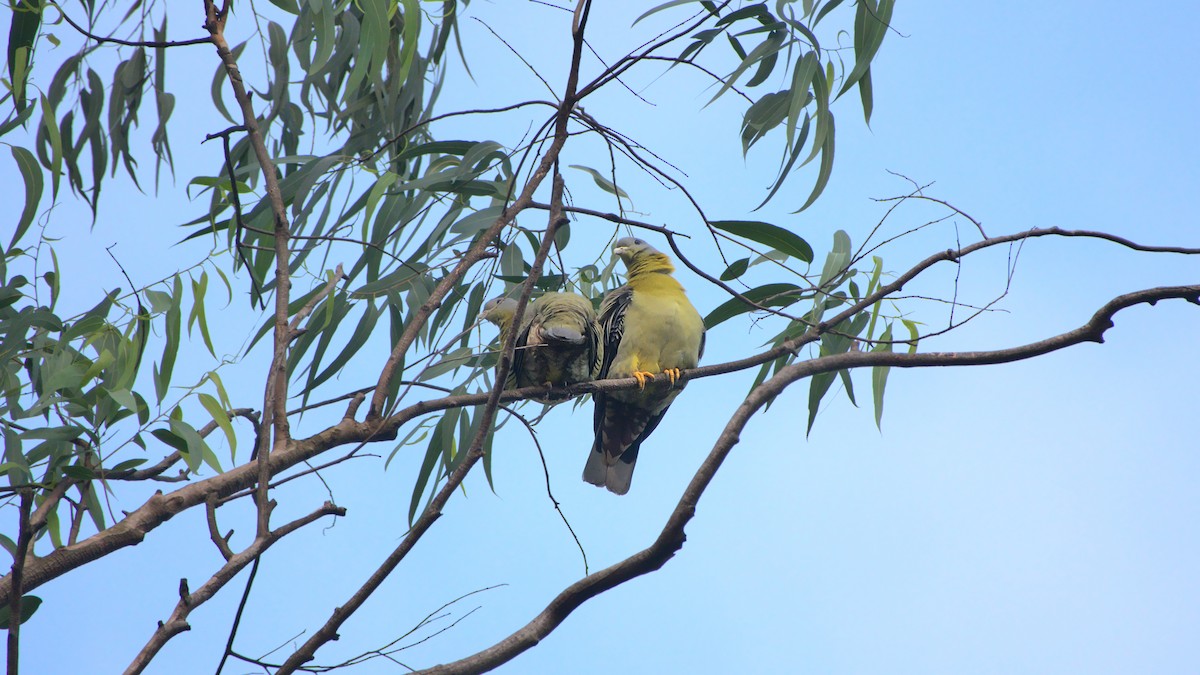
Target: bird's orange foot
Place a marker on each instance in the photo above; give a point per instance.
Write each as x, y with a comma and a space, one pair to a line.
641, 376
672, 375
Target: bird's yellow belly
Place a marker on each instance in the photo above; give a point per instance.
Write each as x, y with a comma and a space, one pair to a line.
660, 333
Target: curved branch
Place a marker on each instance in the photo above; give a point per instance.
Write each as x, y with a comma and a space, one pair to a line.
671, 539
177, 623
127, 43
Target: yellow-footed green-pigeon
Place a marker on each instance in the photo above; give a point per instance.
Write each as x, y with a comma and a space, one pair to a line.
558, 342
650, 328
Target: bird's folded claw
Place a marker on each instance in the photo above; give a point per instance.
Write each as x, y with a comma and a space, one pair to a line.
641, 376
672, 374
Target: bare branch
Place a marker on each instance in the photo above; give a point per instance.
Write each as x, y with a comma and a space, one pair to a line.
127, 43
177, 623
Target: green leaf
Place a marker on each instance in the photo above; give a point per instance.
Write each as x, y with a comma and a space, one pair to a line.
827, 8
765, 114
129, 464
31, 173
870, 27
194, 446
659, 8
736, 269
816, 391
162, 372
56, 146
170, 439
879, 375
787, 168
222, 419
433, 453
605, 184
412, 28
849, 385
802, 76
779, 239
837, 259
826, 161
362, 331
26, 20
913, 334
197, 315
9, 545
29, 605
764, 49
768, 295
868, 98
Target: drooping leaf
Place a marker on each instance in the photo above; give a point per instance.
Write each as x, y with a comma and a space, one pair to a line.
767, 295
778, 238
219, 416
871, 24
604, 183
736, 269
879, 375
22, 33
31, 173
817, 388
29, 605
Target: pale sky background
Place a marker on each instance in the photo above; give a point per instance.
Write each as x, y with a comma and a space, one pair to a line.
1039, 517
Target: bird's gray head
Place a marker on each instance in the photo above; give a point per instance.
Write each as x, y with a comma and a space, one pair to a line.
498, 310
630, 247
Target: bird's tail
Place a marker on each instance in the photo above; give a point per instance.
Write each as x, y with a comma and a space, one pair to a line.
616, 476
619, 436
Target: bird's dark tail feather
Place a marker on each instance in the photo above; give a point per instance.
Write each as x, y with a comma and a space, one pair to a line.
614, 453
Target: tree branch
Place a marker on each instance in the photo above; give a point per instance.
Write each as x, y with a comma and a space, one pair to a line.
474, 453
177, 623
671, 539
20, 555
478, 248
127, 43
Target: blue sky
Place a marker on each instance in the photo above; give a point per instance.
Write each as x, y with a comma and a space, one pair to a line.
1031, 517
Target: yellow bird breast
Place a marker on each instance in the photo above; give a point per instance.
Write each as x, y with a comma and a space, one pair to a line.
662, 330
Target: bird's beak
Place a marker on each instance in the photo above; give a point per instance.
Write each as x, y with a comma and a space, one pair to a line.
620, 251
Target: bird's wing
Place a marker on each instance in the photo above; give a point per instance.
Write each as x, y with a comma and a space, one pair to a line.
603, 468
612, 324
596, 347
520, 346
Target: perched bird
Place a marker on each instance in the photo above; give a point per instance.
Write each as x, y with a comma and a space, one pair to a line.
558, 342
650, 328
